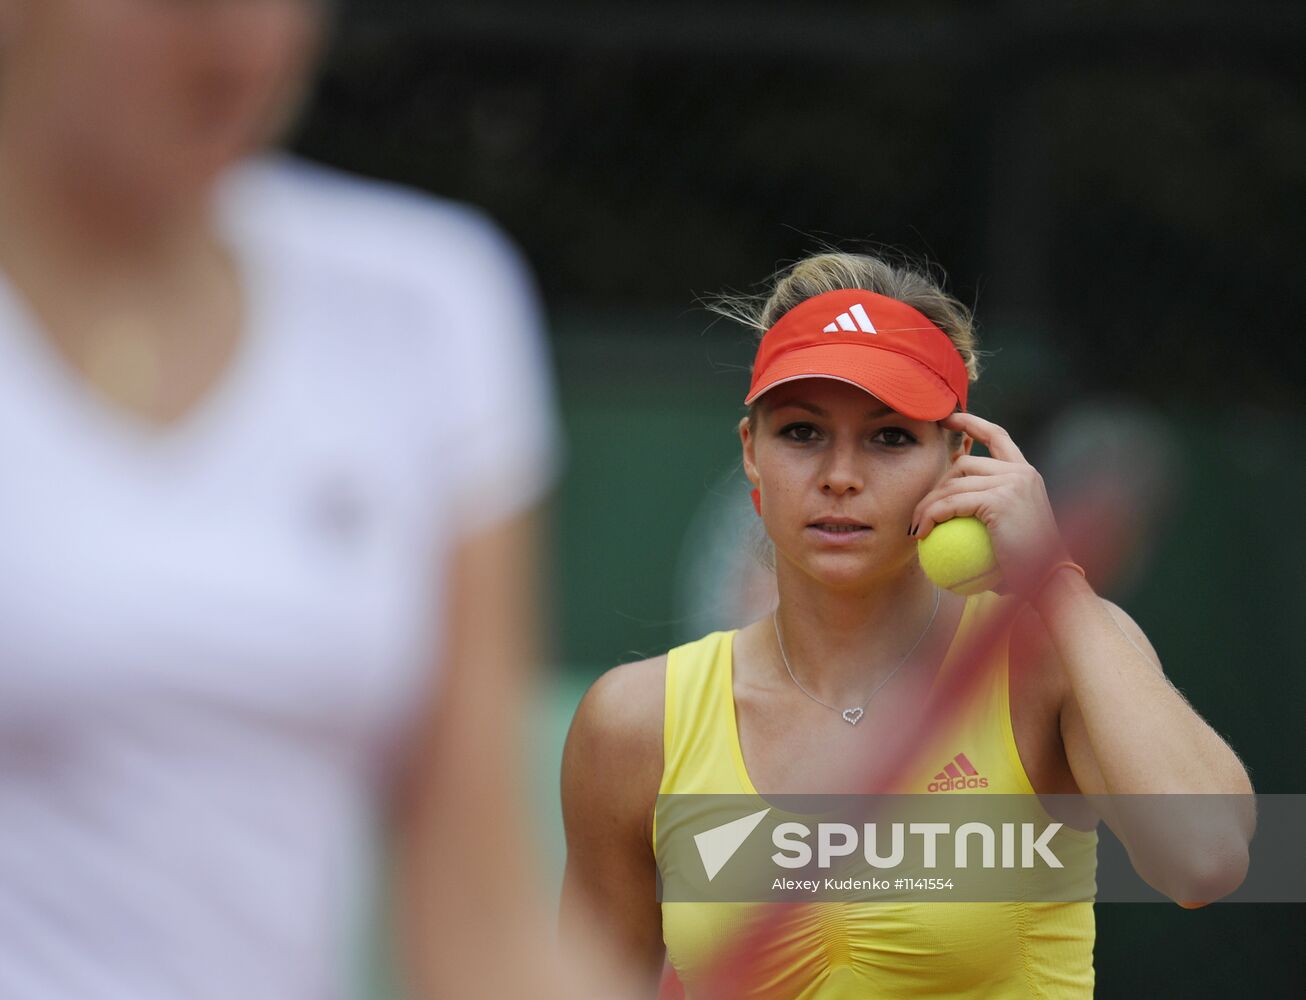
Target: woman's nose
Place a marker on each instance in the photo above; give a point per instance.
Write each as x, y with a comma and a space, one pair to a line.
841, 473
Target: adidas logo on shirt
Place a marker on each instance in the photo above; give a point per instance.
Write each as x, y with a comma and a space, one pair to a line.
957, 775
854, 319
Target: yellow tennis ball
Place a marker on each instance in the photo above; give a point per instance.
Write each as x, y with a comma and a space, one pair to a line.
958, 556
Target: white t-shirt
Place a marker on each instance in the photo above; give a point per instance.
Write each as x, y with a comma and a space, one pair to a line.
213, 636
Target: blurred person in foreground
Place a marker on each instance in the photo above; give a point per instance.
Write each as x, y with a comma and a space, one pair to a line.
270, 440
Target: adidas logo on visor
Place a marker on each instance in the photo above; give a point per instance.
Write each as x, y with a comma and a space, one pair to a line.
854, 319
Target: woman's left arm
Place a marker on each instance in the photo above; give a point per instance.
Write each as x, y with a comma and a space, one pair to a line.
1126, 728
1127, 731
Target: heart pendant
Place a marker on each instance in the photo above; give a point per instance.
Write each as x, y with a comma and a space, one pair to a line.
852, 716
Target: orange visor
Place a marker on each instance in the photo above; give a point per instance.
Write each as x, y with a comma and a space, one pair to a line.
871, 341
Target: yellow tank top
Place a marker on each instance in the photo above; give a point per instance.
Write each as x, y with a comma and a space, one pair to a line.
876, 949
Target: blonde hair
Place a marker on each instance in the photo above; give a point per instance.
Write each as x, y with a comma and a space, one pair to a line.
919, 286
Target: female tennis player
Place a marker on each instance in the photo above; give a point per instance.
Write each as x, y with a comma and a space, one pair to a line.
858, 442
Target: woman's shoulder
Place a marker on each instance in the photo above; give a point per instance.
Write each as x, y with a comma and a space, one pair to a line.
627, 697
612, 763
618, 724
622, 716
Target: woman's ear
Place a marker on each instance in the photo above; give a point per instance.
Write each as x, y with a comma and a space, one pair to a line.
748, 441
963, 448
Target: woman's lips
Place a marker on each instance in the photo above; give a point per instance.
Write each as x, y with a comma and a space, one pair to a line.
839, 534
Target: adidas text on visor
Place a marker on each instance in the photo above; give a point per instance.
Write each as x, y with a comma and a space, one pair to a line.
871, 341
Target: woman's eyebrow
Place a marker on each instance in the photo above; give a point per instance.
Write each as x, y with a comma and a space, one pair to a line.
802, 404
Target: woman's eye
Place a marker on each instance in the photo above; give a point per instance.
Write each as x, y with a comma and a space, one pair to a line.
799, 432
895, 437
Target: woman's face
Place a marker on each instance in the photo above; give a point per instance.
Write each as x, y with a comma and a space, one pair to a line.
821, 449
159, 94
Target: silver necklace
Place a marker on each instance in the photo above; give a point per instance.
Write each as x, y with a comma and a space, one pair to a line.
853, 715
